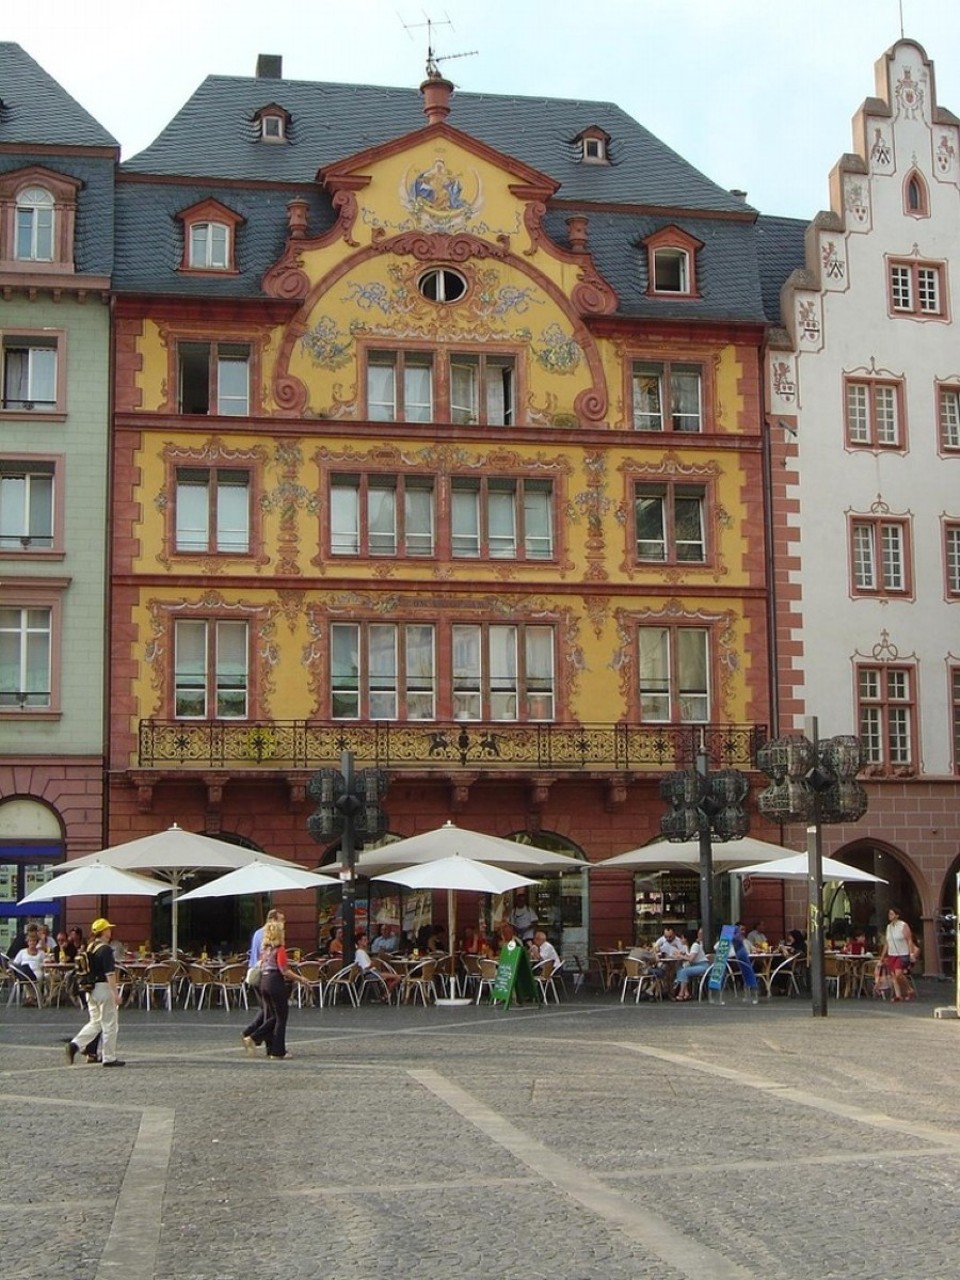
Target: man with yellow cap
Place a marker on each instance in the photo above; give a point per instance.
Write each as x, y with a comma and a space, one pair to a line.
103, 1001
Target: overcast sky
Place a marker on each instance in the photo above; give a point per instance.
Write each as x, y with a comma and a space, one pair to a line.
758, 94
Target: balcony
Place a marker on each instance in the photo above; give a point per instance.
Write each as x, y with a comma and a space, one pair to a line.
490, 747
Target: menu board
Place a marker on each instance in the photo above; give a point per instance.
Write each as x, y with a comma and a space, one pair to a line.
719, 966
514, 980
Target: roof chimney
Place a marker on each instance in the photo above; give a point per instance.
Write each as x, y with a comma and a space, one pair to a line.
740, 195
269, 66
436, 98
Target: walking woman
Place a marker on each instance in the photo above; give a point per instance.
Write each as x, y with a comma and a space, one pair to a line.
275, 974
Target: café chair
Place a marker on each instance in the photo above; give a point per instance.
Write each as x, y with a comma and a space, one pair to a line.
158, 981
643, 977
488, 975
24, 988
546, 974
345, 979
418, 981
230, 981
309, 984
200, 983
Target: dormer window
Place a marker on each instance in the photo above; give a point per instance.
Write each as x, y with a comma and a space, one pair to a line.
915, 199
594, 145
209, 237
37, 214
672, 263
272, 123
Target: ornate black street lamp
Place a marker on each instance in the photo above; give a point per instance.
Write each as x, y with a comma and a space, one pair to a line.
348, 805
705, 806
813, 782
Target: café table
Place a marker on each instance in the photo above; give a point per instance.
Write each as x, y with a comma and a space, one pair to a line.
58, 982
611, 964
850, 971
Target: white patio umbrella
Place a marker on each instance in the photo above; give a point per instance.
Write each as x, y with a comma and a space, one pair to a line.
95, 880
448, 840
456, 874
670, 854
796, 867
175, 854
259, 877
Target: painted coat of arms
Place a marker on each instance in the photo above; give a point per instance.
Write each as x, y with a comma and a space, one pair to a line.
440, 199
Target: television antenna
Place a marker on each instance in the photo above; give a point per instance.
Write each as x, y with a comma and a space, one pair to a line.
433, 69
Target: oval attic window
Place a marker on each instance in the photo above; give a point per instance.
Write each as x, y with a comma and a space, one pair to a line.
442, 285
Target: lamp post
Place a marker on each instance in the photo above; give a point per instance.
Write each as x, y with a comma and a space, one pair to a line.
348, 806
813, 781
707, 806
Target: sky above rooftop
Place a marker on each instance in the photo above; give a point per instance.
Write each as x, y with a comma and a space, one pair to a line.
758, 94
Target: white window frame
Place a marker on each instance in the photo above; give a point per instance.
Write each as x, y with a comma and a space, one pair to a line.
674, 674
36, 213
28, 504
212, 510
211, 247
880, 556
667, 412
26, 657
39, 374
873, 413
207, 675
675, 261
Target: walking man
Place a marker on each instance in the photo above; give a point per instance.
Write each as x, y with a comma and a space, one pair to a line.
103, 1001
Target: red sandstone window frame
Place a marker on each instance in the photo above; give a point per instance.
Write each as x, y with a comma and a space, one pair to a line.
15, 337
490, 361
865, 426
39, 463
211, 689
521, 545
366, 687
663, 683
272, 113
948, 418
47, 595
362, 544
672, 245
668, 489
880, 544
886, 700
953, 698
177, 341
213, 470
64, 191
951, 558
666, 363
213, 213
909, 291
916, 195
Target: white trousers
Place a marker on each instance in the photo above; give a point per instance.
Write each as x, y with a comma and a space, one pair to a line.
104, 1021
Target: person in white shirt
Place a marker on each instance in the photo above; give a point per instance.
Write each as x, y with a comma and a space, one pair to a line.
668, 946
361, 958
694, 966
524, 918
546, 950
756, 938
30, 958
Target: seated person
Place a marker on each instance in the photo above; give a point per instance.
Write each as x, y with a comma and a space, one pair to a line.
744, 938
66, 952
694, 966
335, 945
857, 945
546, 950
385, 942
756, 938
28, 962
668, 946
796, 943
386, 980
437, 941
472, 942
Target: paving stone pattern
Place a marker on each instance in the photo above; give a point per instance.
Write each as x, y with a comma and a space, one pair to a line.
589, 1140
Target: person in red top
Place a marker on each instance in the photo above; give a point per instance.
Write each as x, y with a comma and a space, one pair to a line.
274, 976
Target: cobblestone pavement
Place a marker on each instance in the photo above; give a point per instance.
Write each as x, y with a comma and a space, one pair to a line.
582, 1141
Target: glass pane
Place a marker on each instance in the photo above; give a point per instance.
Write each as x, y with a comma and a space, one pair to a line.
344, 520
382, 667
13, 510
464, 404
502, 518
466, 672
465, 518
190, 660
654, 673
193, 511
345, 670
692, 667
43, 375
858, 422
418, 521
688, 528
233, 511
538, 644
40, 527
417, 391
231, 669
499, 393
685, 398
419, 642
219, 240
651, 534
503, 673
382, 521
647, 399
538, 523
381, 392
233, 393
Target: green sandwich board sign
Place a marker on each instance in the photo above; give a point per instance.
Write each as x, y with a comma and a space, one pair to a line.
514, 980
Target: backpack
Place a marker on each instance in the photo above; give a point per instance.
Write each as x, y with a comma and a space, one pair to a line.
86, 980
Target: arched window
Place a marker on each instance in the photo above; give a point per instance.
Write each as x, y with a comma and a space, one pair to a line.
915, 198
34, 225
210, 246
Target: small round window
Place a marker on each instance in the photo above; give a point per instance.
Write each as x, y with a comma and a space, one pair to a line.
442, 285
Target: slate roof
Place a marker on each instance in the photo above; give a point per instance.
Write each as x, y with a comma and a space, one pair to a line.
34, 108
214, 136
780, 250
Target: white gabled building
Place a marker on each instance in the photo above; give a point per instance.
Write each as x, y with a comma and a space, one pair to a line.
863, 400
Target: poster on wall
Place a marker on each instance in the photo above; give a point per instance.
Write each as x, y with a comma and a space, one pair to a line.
8, 882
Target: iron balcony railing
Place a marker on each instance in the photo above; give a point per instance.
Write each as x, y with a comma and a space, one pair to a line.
308, 744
